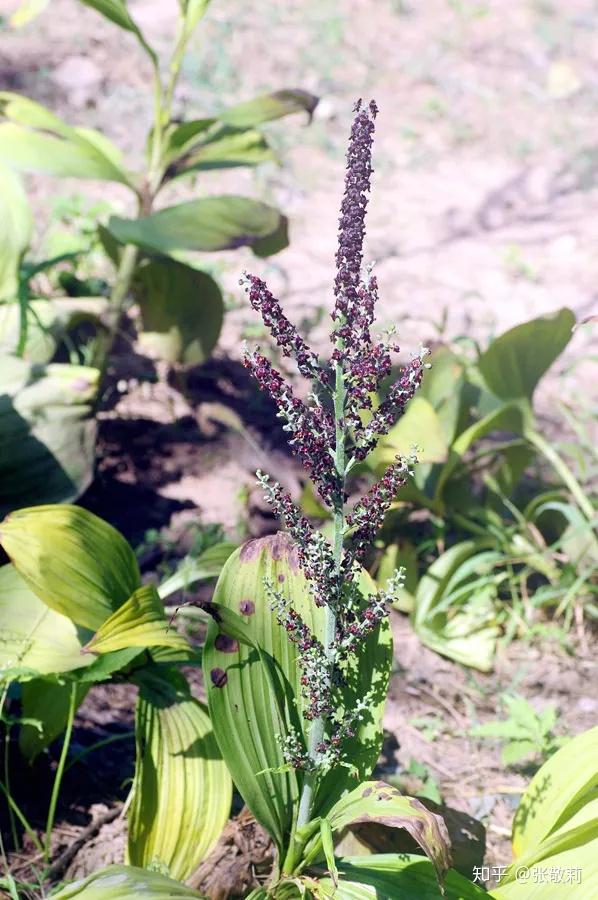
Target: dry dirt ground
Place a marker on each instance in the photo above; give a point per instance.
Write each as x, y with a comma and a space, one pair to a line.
482, 216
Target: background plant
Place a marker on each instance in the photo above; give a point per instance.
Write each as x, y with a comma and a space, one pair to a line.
157, 256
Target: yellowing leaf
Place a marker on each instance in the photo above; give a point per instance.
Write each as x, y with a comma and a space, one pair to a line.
33, 636
182, 789
139, 622
419, 427
75, 562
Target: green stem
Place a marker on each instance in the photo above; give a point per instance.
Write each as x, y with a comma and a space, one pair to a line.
317, 731
13, 829
60, 772
564, 472
21, 817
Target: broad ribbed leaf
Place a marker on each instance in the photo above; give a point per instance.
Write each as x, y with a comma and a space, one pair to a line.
394, 876
47, 704
47, 431
557, 791
116, 11
248, 712
76, 563
419, 427
514, 362
126, 883
210, 223
182, 789
268, 107
376, 801
139, 622
181, 311
15, 231
33, 139
33, 636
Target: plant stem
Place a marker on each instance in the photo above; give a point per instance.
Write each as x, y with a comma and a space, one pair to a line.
317, 731
60, 772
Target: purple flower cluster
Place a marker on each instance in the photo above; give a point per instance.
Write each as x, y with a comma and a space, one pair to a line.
361, 364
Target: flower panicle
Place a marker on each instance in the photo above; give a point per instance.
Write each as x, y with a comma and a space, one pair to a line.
282, 330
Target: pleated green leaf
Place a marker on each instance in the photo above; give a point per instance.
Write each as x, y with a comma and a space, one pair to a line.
182, 789
126, 883
139, 622
34, 637
15, 230
254, 691
79, 565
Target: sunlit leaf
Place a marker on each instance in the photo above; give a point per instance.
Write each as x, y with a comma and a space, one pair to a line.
48, 702
15, 231
32, 635
139, 622
181, 311
116, 11
182, 789
48, 321
33, 139
75, 562
210, 223
268, 107
126, 883
222, 148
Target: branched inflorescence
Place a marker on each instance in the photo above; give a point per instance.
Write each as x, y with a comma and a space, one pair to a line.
336, 427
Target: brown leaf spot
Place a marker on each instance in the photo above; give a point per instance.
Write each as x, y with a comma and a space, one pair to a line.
219, 677
281, 578
278, 546
247, 607
226, 644
367, 792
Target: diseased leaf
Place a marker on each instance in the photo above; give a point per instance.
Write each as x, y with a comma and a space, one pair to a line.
376, 801
75, 562
182, 789
139, 622
33, 636
15, 231
254, 690
210, 223
181, 310
126, 883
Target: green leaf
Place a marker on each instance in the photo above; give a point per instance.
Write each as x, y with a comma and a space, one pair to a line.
515, 751
47, 431
210, 223
15, 230
454, 605
558, 789
139, 622
33, 139
126, 883
244, 705
376, 801
181, 311
47, 702
193, 10
421, 427
392, 876
267, 107
221, 147
207, 565
48, 321
442, 386
514, 362
116, 11
182, 789
33, 636
75, 562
